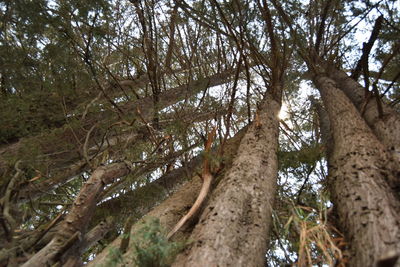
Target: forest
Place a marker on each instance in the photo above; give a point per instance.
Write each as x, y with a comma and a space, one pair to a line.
159, 133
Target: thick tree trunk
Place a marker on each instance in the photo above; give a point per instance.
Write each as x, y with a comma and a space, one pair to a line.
369, 212
172, 209
75, 224
169, 212
233, 229
65, 247
134, 204
79, 216
138, 202
386, 126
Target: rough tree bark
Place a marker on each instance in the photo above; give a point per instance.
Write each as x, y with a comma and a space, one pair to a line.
386, 126
133, 204
369, 212
78, 218
66, 246
171, 210
233, 229
75, 224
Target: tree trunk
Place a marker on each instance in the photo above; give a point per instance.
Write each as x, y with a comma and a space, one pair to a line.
76, 222
386, 126
140, 201
79, 216
171, 210
233, 229
369, 212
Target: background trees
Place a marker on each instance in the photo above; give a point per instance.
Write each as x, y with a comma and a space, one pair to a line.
106, 106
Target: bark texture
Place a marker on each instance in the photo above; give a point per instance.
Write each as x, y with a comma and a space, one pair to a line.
358, 173
169, 212
386, 126
233, 228
172, 209
75, 224
69, 235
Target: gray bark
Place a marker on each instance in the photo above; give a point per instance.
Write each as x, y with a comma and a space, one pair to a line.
386, 126
233, 228
369, 212
138, 202
76, 222
172, 209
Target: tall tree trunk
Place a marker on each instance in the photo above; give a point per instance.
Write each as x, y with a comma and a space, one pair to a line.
368, 210
233, 229
76, 222
82, 210
386, 126
171, 210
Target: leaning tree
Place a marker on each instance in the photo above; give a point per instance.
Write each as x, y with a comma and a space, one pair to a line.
199, 133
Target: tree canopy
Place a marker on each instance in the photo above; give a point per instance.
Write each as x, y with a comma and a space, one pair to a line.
108, 107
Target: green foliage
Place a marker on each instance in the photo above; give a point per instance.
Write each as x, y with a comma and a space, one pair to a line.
152, 246
28, 115
293, 159
55, 54
114, 258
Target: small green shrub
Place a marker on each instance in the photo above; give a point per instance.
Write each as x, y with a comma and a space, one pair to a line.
152, 246
113, 259
149, 246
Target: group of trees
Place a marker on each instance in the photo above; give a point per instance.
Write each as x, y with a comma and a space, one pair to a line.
273, 119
